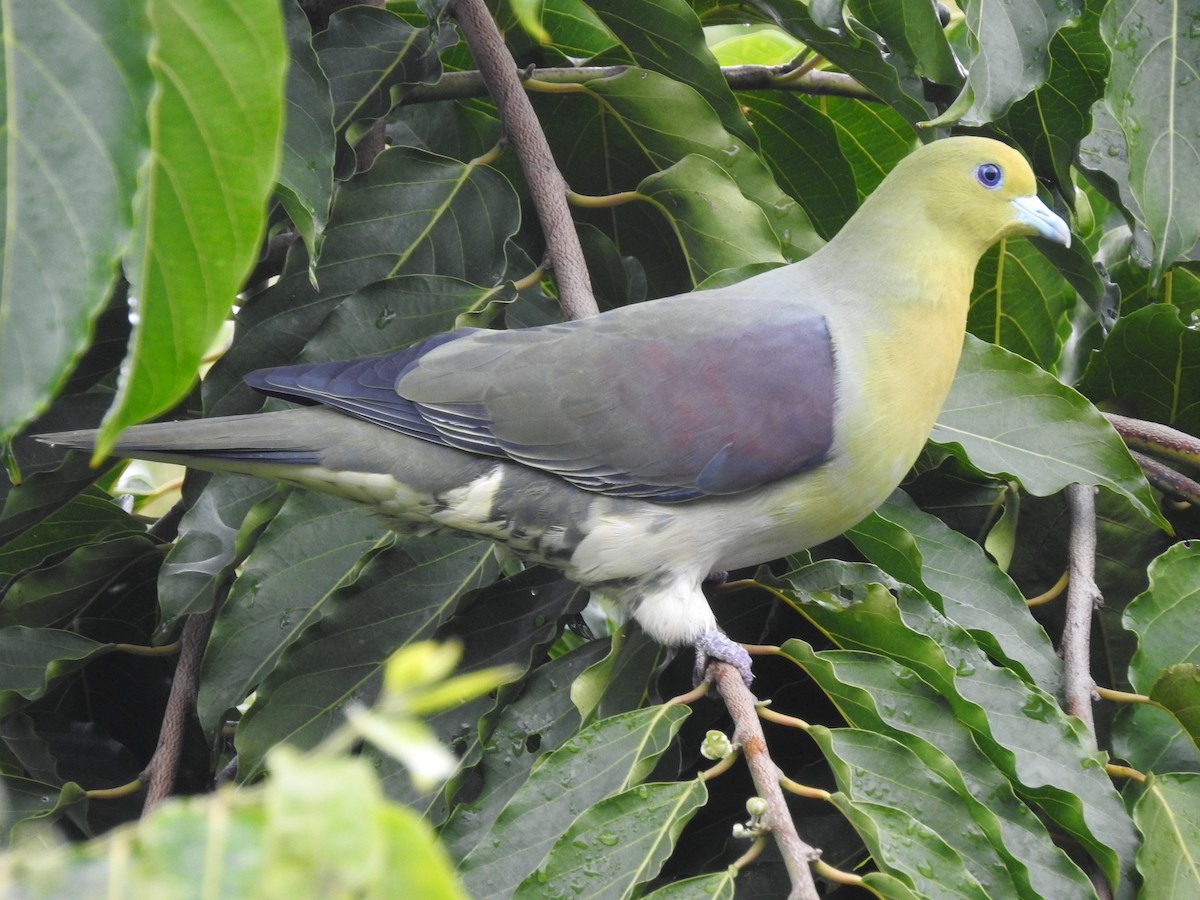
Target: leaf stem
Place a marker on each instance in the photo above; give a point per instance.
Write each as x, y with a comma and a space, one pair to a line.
116, 793
1119, 771
1053, 593
1123, 696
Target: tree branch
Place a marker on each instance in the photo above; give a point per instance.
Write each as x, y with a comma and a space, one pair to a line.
1083, 596
1150, 443
159, 774
461, 85
748, 733
546, 184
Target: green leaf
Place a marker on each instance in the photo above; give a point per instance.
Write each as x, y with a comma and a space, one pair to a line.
968, 587
1168, 814
535, 723
1152, 740
907, 821
889, 76
1177, 689
718, 228
310, 547
1020, 302
61, 591
1047, 755
873, 138
1051, 122
371, 57
575, 29
620, 842
1008, 417
418, 213
317, 827
400, 595
801, 147
1155, 57
306, 168
606, 758
1008, 44
510, 624
879, 694
1163, 616
215, 129
642, 124
215, 535
76, 89
31, 658
89, 516
529, 15
29, 805
1150, 365
758, 45
717, 886
910, 28
665, 36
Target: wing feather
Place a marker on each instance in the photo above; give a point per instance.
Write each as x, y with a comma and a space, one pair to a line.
666, 402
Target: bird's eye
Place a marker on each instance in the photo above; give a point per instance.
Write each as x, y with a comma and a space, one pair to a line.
990, 175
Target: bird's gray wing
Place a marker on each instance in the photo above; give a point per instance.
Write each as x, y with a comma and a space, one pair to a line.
660, 402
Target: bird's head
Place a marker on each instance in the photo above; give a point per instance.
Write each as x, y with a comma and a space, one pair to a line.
967, 192
982, 190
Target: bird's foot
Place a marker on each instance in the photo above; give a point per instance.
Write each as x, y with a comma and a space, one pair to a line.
718, 577
718, 646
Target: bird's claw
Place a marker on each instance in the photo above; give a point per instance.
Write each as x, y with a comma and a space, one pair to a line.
717, 646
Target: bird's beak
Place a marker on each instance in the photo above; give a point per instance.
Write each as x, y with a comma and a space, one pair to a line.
1042, 219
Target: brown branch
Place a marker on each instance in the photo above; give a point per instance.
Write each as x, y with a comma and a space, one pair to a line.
1161, 440
546, 184
1151, 443
462, 85
815, 82
748, 733
159, 774
1166, 479
1083, 596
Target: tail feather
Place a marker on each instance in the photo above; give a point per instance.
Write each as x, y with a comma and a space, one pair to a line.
275, 437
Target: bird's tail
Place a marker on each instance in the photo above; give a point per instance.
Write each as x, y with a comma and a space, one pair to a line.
212, 444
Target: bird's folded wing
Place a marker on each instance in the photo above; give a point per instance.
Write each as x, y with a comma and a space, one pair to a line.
669, 408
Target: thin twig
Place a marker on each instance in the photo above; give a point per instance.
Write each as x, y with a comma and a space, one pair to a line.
462, 85
748, 733
547, 187
1083, 596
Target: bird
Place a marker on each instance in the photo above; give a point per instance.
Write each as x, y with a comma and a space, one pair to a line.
645, 448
